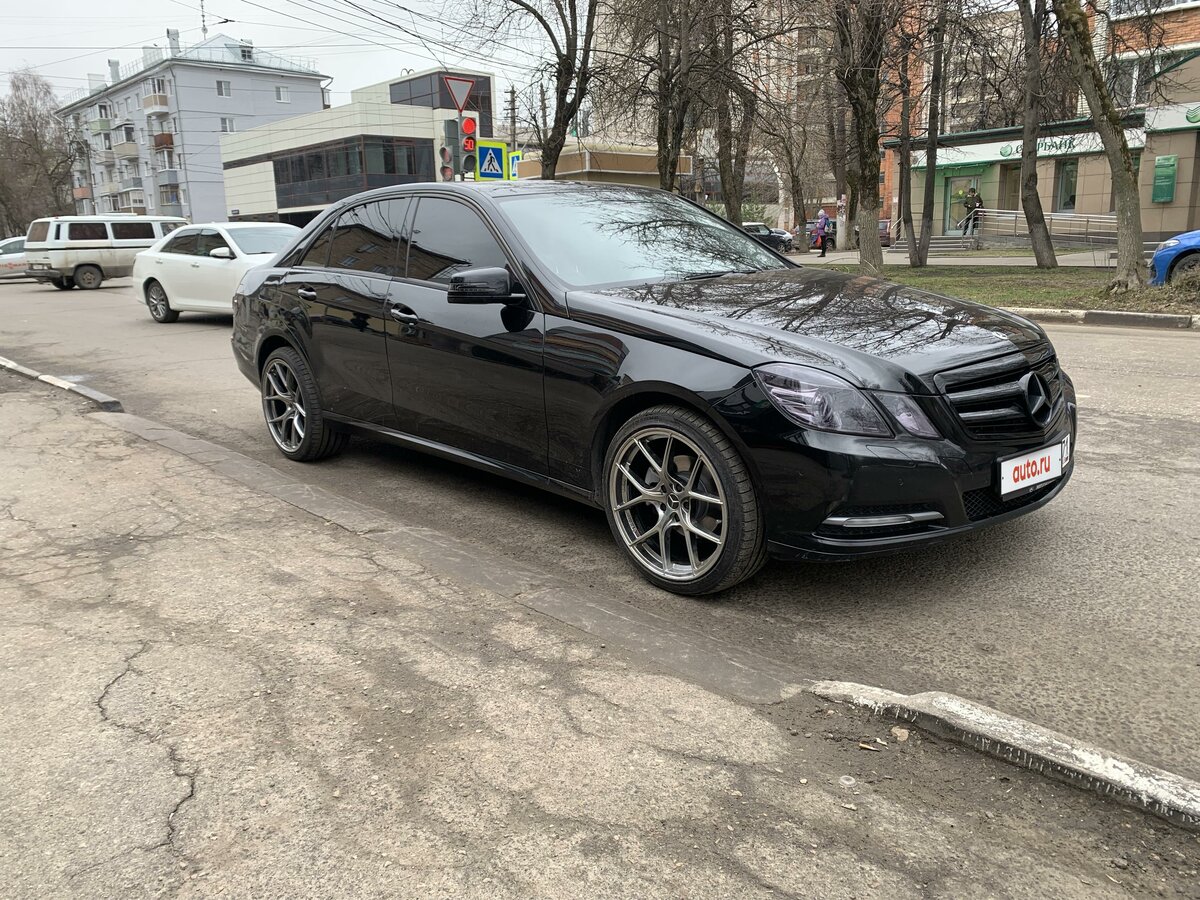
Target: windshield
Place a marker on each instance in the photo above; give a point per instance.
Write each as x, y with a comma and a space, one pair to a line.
262, 240
609, 235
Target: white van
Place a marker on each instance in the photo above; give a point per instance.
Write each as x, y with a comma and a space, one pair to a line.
83, 251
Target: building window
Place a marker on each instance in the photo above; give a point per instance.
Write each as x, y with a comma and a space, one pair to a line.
283, 95
1066, 177
224, 89
227, 125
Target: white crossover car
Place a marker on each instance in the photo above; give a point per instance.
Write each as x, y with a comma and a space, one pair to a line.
12, 258
197, 268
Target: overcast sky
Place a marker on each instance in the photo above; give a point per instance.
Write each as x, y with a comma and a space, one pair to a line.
355, 49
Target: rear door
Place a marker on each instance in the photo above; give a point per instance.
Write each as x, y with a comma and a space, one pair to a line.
341, 283
471, 374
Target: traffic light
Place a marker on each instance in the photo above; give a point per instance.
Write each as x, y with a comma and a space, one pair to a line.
467, 128
450, 153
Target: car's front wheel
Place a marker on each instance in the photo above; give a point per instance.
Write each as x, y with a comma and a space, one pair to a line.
1186, 267
159, 304
681, 503
292, 408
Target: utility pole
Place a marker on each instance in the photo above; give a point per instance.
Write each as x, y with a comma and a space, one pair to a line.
512, 116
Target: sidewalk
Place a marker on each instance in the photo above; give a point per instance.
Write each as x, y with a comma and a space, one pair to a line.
208, 692
1086, 259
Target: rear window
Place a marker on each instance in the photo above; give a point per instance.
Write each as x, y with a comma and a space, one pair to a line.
132, 231
38, 231
87, 231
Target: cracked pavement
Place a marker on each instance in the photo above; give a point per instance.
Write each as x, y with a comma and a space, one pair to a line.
208, 692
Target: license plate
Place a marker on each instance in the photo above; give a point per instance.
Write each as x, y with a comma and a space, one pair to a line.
1030, 469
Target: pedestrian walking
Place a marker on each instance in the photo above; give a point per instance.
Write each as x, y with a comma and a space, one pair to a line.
974, 206
822, 229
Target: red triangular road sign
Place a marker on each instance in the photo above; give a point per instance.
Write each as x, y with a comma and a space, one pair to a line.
460, 89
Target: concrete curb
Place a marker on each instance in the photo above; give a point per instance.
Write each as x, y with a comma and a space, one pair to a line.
1105, 317
103, 401
1033, 747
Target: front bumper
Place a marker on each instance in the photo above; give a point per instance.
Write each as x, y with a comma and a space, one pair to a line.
927, 491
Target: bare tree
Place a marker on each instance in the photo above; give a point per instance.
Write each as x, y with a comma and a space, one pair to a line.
862, 30
1034, 19
35, 154
1076, 37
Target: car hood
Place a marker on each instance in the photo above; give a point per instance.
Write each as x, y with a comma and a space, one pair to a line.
878, 334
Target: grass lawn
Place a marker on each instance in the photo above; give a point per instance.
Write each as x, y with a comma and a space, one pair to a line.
1063, 288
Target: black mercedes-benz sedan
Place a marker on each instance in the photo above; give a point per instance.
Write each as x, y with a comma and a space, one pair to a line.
627, 348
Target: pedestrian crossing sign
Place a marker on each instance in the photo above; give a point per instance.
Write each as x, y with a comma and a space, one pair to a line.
491, 161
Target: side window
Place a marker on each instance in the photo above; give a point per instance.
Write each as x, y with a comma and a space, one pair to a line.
368, 238
182, 243
449, 237
133, 231
209, 240
87, 231
317, 256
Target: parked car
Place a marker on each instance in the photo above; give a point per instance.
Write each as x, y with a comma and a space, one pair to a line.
1176, 257
12, 258
767, 235
630, 350
785, 239
84, 251
197, 268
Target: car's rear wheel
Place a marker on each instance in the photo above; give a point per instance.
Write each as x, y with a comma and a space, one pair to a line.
1187, 266
88, 277
63, 284
159, 304
292, 409
681, 503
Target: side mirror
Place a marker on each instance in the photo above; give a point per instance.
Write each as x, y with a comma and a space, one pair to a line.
490, 285
221, 253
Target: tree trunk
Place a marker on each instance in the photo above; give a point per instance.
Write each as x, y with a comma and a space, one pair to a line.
934, 125
1033, 22
1073, 28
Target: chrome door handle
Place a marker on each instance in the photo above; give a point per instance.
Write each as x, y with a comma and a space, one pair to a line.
306, 293
404, 314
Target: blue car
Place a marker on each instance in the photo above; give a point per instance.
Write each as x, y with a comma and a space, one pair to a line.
1176, 257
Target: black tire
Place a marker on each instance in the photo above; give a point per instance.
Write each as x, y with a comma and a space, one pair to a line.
732, 511
159, 304
88, 277
63, 284
1185, 266
315, 439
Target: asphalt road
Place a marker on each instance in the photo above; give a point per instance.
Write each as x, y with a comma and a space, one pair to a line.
1081, 617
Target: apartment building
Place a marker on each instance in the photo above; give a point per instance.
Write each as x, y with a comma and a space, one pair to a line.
149, 131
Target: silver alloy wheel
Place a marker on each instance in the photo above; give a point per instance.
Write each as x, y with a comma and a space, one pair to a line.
283, 405
668, 504
159, 307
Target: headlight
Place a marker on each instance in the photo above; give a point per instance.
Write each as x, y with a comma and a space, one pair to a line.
1166, 244
910, 416
817, 399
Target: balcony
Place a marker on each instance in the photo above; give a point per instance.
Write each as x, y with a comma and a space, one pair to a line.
98, 125
155, 105
127, 150
83, 192
131, 183
163, 141
166, 177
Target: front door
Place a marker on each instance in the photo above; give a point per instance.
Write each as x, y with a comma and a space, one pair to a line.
955, 206
470, 373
